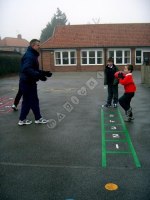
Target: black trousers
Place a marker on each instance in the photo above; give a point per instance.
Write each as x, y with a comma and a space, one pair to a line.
30, 101
125, 100
112, 94
18, 97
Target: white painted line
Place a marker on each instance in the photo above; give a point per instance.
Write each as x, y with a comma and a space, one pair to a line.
111, 121
115, 135
111, 115
113, 128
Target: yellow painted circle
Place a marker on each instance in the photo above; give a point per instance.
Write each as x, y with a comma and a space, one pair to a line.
111, 186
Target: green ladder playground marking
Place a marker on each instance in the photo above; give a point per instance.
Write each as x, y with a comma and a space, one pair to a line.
114, 131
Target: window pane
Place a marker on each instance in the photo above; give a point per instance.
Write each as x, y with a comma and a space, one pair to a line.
84, 57
127, 53
84, 61
91, 57
91, 60
127, 57
138, 57
73, 61
118, 57
138, 60
92, 54
84, 54
72, 54
58, 62
99, 60
127, 60
72, 57
65, 54
99, 53
65, 58
138, 53
57, 54
118, 60
58, 58
111, 54
118, 53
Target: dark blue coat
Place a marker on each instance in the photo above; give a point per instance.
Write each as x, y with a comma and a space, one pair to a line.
29, 69
109, 78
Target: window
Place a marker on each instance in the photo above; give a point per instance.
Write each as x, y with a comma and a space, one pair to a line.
91, 57
99, 57
111, 54
138, 57
57, 58
16, 49
84, 57
65, 57
73, 57
126, 57
120, 56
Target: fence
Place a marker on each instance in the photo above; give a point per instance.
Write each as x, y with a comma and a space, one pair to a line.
145, 74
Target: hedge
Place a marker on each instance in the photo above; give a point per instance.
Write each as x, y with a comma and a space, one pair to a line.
9, 63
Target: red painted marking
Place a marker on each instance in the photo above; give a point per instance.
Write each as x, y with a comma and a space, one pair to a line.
5, 106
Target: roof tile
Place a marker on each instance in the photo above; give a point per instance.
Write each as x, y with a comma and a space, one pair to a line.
99, 35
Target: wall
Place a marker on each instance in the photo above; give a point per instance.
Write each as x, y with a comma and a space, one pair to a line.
47, 61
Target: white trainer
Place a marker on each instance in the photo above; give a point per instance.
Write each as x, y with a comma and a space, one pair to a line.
14, 107
41, 121
24, 122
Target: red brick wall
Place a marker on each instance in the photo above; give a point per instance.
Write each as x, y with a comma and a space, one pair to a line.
47, 61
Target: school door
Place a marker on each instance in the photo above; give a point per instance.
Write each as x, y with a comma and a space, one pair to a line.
146, 58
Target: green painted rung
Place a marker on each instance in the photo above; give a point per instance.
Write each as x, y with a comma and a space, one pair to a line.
122, 131
111, 124
116, 140
118, 152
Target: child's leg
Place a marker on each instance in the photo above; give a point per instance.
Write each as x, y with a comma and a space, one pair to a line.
110, 94
129, 111
115, 94
123, 102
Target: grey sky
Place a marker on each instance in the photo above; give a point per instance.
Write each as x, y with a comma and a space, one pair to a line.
29, 17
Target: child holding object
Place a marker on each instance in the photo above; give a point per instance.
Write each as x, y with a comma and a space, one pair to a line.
125, 78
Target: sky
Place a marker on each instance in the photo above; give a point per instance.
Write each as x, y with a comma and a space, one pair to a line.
29, 17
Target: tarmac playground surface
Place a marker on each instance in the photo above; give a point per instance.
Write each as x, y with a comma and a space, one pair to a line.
82, 148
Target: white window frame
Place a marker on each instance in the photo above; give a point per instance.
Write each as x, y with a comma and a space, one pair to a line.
136, 56
69, 57
95, 50
142, 51
123, 55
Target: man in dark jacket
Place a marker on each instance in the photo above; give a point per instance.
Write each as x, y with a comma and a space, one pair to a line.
29, 75
112, 83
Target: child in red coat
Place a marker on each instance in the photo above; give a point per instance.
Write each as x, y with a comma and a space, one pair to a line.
127, 81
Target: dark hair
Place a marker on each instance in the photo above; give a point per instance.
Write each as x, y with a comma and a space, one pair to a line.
130, 67
33, 41
110, 59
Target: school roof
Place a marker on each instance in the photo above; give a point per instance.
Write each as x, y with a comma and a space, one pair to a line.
100, 35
